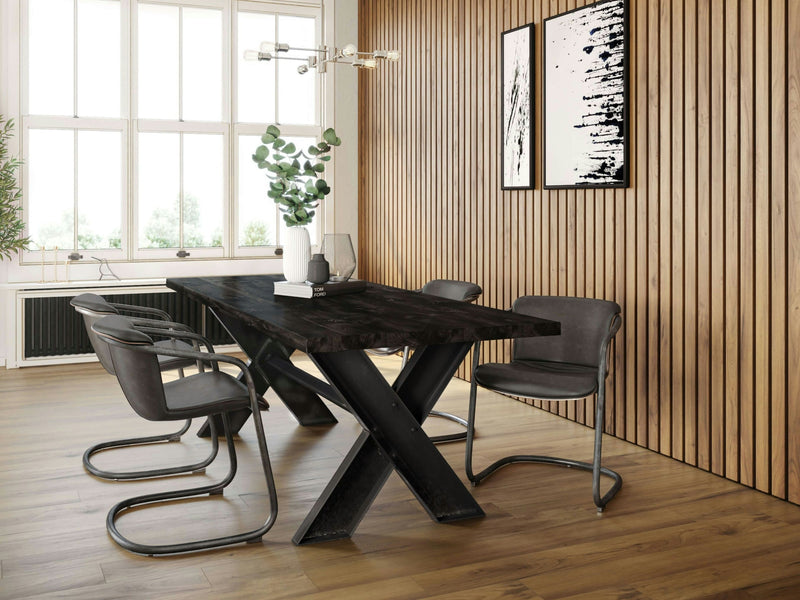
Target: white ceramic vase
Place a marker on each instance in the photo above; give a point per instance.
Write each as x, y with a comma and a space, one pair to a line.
296, 254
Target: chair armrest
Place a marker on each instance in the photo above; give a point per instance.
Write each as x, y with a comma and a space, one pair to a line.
209, 357
196, 338
602, 371
145, 310
157, 323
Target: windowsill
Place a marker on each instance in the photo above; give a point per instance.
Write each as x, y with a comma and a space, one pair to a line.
135, 273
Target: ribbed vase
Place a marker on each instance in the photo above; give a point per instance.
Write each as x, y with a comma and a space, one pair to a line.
296, 254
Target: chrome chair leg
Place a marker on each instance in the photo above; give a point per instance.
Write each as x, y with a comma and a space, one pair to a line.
212, 489
197, 467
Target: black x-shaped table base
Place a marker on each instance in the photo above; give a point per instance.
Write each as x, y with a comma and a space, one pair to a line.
391, 416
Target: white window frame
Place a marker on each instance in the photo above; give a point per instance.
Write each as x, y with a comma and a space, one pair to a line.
75, 123
287, 130
130, 127
182, 127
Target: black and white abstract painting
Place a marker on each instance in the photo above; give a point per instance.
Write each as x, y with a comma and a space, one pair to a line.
517, 61
585, 95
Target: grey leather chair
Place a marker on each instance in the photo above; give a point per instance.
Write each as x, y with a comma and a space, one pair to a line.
571, 366
460, 291
93, 308
135, 360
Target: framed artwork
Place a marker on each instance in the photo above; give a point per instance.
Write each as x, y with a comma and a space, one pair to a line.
585, 97
517, 124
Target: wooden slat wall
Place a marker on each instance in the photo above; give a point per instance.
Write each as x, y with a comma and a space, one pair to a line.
702, 251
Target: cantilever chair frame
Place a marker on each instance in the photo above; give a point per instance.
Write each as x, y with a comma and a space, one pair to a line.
254, 536
163, 321
594, 467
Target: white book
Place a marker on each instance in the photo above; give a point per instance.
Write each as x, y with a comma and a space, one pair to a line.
318, 290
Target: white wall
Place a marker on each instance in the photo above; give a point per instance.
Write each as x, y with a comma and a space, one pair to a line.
341, 213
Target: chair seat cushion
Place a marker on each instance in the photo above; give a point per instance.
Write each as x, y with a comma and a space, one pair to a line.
538, 379
173, 362
205, 393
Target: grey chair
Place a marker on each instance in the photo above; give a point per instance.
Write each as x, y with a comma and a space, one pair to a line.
571, 366
135, 360
93, 308
451, 289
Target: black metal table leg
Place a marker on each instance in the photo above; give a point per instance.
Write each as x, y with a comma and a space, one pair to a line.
303, 403
392, 439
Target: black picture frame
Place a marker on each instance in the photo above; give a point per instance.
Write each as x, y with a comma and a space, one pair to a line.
585, 140
517, 151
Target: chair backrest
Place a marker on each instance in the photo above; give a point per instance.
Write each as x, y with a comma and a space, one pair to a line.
463, 291
137, 371
585, 322
93, 308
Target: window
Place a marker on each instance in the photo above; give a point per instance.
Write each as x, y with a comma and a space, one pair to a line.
138, 130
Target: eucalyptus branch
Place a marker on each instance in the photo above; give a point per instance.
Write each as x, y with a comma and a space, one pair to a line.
295, 186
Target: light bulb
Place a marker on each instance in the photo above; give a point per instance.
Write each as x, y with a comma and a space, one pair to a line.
358, 63
250, 55
302, 69
380, 53
349, 50
370, 63
393, 55
268, 47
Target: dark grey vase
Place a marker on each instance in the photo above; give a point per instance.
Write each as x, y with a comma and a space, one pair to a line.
318, 269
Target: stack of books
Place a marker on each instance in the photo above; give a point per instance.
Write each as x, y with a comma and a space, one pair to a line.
318, 290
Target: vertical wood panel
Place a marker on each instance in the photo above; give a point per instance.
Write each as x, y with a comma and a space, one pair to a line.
793, 257
677, 229
701, 250
731, 240
762, 254
746, 246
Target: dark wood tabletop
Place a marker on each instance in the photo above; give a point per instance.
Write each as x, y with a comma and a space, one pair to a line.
378, 317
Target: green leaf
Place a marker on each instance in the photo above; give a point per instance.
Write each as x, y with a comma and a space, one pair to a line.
278, 186
313, 151
329, 135
273, 131
296, 164
261, 153
277, 156
289, 148
274, 194
319, 168
323, 147
325, 158
321, 184
268, 138
279, 143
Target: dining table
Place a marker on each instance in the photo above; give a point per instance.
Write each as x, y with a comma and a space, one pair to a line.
334, 331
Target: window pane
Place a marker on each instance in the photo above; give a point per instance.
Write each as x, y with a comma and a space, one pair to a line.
202, 190
158, 62
50, 56
50, 192
257, 212
297, 98
98, 58
159, 190
99, 189
256, 97
202, 64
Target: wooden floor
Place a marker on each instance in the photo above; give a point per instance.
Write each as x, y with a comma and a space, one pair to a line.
672, 532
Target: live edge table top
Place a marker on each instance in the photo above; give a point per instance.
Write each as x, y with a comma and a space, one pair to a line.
378, 317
